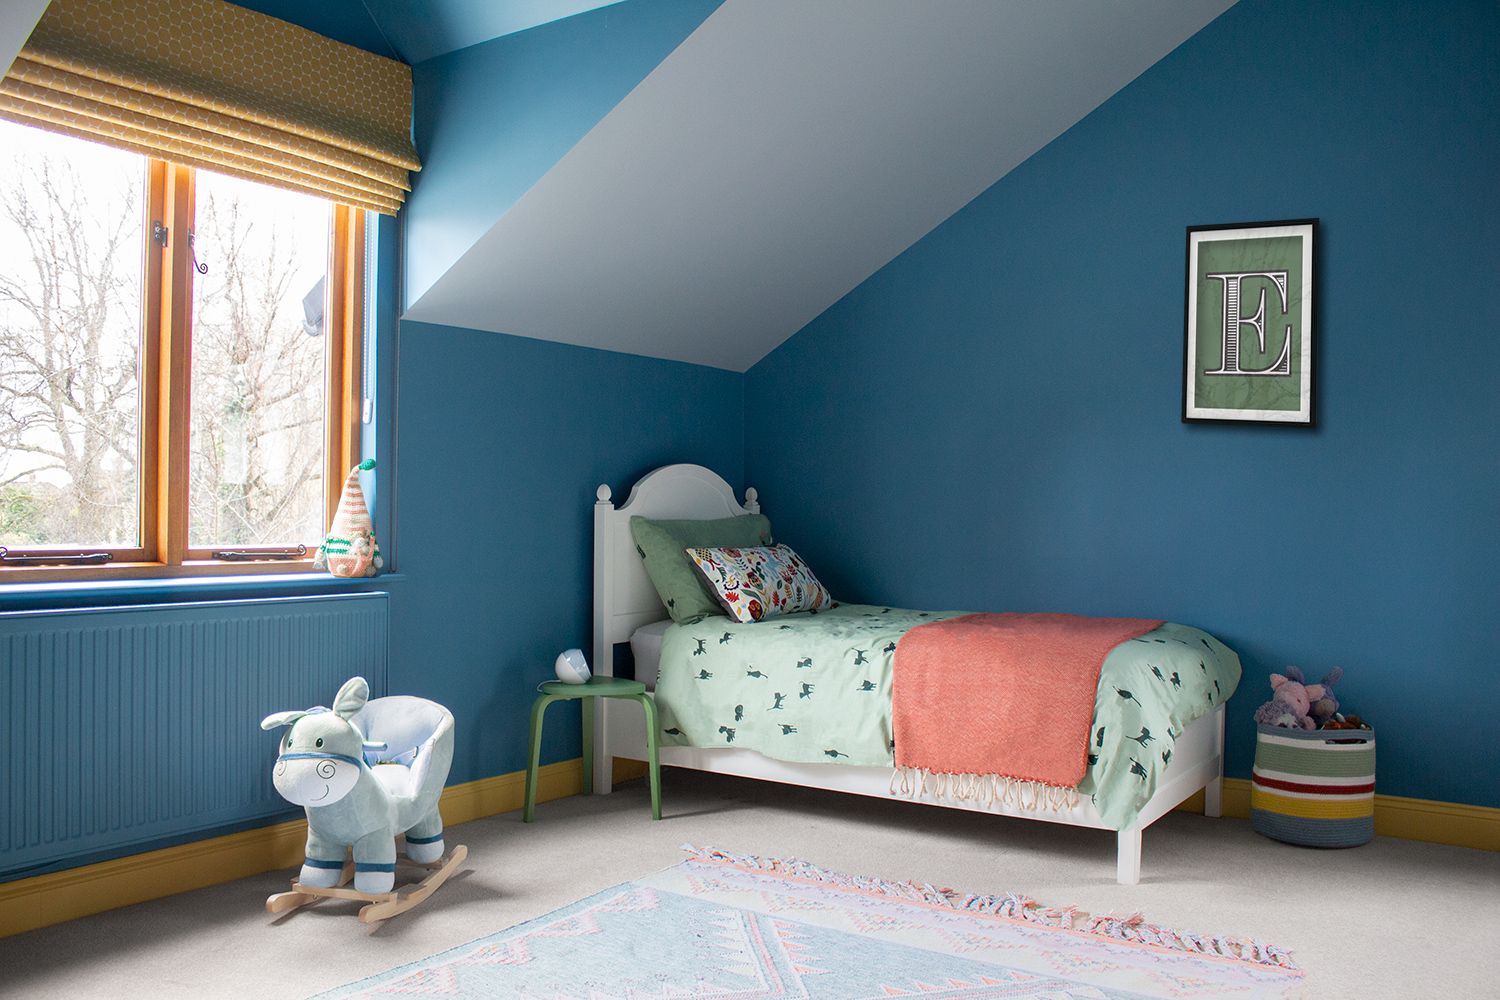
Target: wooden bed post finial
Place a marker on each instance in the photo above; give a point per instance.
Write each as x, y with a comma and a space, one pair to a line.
604, 493
752, 500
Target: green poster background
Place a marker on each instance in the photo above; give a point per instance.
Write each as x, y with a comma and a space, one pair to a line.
1249, 392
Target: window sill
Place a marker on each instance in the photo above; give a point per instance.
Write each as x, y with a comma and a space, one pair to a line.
69, 593
128, 571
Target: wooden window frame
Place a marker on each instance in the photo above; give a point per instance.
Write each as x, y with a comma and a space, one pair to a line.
165, 406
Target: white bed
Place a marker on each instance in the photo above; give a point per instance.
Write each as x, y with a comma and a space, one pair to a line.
625, 600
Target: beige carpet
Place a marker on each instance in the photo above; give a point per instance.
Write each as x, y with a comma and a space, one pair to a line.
1394, 919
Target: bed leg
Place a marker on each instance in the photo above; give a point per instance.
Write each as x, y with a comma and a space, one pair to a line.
1128, 864
1213, 792
1213, 797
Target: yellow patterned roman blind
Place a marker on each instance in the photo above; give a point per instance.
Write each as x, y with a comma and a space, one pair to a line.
208, 84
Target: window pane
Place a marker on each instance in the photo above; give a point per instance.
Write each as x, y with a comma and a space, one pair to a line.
71, 256
258, 365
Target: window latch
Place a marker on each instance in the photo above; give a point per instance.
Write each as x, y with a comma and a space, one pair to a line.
70, 559
248, 555
193, 249
160, 234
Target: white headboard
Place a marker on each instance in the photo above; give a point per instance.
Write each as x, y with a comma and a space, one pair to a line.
624, 598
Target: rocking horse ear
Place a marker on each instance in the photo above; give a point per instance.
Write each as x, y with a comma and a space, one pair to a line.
278, 719
351, 697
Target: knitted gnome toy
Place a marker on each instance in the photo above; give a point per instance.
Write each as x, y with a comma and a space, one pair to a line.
350, 548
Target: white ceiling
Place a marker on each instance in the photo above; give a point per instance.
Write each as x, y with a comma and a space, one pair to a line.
17, 18
781, 155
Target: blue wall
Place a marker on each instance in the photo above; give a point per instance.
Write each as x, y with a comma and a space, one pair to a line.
992, 420
487, 518
491, 119
502, 443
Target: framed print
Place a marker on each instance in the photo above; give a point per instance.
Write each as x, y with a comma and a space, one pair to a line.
1248, 352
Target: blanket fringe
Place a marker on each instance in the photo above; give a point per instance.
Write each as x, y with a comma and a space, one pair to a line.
1132, 928
985, 790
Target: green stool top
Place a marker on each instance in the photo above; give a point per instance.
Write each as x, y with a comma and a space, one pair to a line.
597, 687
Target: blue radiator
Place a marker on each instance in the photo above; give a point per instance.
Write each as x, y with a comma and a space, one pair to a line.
127, 727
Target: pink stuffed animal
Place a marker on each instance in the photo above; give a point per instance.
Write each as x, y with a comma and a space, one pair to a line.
1293, 701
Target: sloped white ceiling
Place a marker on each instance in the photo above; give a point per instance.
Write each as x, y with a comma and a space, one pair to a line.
781, 155
17, 18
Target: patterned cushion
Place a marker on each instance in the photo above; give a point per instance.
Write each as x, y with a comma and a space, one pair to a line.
757, 583
661, 545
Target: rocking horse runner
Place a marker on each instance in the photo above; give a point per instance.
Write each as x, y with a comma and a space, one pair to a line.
366, 772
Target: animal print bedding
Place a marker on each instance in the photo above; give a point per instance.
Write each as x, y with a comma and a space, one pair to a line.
816, 688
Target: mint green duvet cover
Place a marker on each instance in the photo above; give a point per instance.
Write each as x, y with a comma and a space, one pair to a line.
816, 688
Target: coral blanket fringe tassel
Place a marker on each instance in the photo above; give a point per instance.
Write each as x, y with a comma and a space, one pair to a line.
985, 790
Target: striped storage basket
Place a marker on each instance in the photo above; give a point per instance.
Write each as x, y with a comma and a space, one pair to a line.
1314, 788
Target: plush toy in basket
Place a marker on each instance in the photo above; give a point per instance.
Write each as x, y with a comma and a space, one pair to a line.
1297, 704
1314, 777
367, 771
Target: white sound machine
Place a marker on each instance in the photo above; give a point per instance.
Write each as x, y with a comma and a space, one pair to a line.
571, 667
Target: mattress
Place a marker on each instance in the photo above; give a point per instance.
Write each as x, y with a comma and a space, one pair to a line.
645, 646
816, 688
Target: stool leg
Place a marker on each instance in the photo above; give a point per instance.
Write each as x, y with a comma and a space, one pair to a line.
652, 746
587, 712
538, 709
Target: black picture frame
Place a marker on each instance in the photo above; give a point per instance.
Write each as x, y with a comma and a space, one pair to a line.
1303, 293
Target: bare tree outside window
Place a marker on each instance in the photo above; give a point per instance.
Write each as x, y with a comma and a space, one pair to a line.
71, 251
258, 366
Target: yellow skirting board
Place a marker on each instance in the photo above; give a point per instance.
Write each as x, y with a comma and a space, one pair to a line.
1395, 816
28, 904
43, 900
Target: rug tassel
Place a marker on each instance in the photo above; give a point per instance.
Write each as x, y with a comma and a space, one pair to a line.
1133, 927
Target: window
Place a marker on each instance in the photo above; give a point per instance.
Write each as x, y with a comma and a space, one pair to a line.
258, 401
179, 364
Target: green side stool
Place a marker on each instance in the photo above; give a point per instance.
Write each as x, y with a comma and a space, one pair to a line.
597, 687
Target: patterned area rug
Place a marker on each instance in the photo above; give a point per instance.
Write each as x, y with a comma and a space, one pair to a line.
721, 925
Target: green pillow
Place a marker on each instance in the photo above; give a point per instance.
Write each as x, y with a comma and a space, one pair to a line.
662, 544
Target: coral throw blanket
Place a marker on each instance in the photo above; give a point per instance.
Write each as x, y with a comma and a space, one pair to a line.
1007, 695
